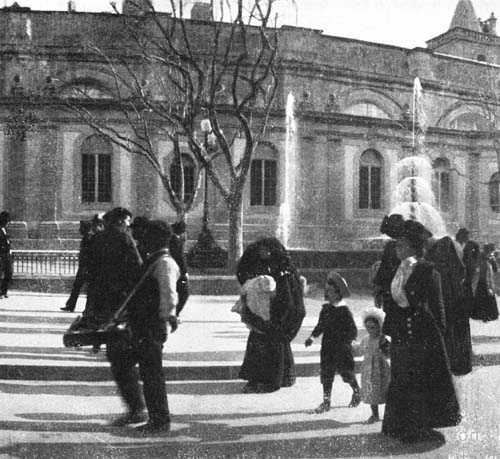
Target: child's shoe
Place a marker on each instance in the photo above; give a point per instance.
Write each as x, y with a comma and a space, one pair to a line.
372, 419
356, 399
323, 407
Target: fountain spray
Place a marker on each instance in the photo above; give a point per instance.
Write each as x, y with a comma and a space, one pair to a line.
285, 214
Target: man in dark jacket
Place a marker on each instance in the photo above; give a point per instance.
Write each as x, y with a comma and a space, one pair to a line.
149, 311
5, 256
114, 266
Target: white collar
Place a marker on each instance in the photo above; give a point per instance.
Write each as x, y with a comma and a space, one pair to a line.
409, 262
340, 303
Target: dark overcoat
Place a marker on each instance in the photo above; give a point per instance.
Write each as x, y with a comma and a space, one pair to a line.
268, 357
421, 393
114, 268
457, 335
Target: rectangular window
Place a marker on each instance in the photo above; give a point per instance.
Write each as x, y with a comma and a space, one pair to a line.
256, 183
88, 178
104, 178
441, 190
364, 187
444, 203
263, 183
375, 187
96, 178
370, 187
270, 185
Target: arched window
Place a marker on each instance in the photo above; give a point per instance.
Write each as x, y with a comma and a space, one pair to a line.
469, 122
189, 168
494, 189
370, 180
96, 152
264, 178
441, 184
367, 109
83, 90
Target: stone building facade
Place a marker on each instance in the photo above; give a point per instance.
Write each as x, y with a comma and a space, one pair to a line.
353, 112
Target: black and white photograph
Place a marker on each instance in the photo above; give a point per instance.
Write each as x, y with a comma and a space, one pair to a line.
249, 229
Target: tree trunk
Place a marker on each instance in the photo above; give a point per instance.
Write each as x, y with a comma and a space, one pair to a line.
235, 242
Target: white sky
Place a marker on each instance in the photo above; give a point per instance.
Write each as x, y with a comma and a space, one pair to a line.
406, 23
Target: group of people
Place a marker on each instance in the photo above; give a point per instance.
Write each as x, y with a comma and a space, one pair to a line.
426, 291
139, 265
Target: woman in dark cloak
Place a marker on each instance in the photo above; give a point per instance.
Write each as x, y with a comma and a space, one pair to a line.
421, 393
485, 304
456, 301
268, 363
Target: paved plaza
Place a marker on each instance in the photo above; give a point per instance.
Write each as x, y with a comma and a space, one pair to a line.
57, 402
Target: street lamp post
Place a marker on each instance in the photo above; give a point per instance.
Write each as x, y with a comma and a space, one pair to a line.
209, 147
206, 253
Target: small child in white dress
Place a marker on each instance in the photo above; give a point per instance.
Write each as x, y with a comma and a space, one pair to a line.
257, 293
375, 369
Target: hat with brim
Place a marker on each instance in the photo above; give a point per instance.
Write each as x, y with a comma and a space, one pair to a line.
340, 283
392, 225
415, 232
396, 227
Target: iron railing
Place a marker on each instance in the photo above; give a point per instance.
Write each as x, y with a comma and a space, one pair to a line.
45, 262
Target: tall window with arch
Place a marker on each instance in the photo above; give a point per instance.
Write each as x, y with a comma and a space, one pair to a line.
370, 180
442, 184
264, 178
186, 165
96, 155
494, 192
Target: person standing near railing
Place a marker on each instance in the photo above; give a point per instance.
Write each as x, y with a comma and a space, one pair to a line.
5, 255
82, 272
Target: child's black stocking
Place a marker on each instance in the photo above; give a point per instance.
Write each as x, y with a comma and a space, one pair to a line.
374, 417
356, 397
327, 395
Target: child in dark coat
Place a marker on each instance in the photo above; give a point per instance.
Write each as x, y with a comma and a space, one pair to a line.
337, 326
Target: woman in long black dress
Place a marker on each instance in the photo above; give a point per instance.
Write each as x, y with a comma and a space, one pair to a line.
268, 363
485, 303
421, 394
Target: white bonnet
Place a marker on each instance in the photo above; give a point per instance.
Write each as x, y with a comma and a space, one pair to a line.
374, 313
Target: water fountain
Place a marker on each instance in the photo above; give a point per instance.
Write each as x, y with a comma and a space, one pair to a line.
413, 195
290, 170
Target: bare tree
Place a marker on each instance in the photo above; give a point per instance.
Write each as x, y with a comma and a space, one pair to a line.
174, 73
488, 100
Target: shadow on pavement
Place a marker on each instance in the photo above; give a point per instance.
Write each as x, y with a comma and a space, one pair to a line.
95, 389
209, 437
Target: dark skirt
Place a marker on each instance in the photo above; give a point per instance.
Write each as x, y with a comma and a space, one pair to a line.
485, 305
459, 345
421, 393
268, 361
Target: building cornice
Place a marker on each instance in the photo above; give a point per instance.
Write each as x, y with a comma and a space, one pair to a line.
459, 33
